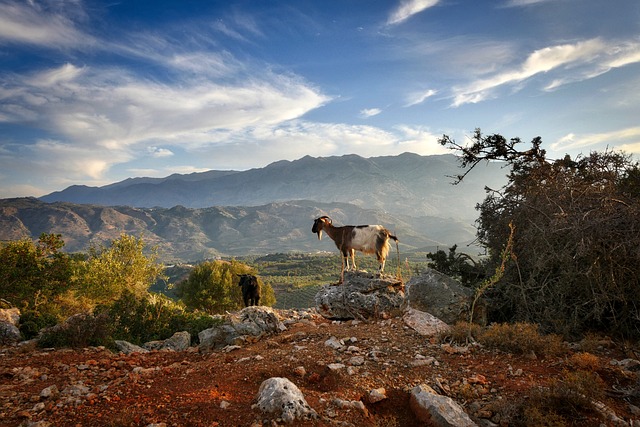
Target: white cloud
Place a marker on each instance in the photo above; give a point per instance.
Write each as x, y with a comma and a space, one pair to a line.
25, 23
580, 61
627, 139
370, 112
420, 97
520, 3
408, 8
159, 152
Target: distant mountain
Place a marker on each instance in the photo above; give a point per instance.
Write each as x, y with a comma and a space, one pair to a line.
407, 184
190, 234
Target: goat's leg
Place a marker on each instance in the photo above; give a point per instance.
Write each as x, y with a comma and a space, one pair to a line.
353, 259
382, 266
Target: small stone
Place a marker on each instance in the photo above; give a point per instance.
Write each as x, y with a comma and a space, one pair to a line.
378, 394
300, 371
224, 404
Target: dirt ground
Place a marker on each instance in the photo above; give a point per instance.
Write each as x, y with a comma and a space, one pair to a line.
96, 387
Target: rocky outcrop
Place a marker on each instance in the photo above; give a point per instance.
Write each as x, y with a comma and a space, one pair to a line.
362, 296
250, 323
179, 341
443, 297
282, 397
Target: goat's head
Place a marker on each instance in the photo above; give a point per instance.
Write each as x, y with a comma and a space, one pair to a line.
319, 224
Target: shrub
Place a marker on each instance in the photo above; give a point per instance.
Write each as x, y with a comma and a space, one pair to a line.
566, 399
521, 338
461, 333
32, 321
80, 330
153, 317
585, 361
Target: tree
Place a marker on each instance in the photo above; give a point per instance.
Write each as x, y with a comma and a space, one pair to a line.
121, 267
460, 266
33, 274
212, 287
574, 264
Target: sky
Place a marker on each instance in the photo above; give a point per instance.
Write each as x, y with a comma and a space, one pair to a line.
94, 92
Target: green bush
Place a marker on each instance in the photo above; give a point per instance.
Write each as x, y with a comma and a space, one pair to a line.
78, 331
32, 321
153, 317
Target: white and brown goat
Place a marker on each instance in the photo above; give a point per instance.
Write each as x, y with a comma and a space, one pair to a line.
368, 239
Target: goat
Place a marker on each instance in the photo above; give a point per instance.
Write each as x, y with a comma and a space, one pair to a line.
250, 289
368, 239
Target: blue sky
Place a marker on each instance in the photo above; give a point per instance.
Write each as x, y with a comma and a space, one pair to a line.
94, 92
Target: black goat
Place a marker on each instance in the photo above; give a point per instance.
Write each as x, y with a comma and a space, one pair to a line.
250, 289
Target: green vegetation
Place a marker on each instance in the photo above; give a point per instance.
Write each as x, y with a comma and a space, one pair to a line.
212, 287
104, 295
574, 261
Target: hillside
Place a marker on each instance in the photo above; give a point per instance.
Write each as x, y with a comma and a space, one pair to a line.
188, 234
407, 184
96, 387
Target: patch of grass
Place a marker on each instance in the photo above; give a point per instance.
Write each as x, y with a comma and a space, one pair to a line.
461, 333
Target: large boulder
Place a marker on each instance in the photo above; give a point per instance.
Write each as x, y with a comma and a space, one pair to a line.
444, 297
362, 296
254, 322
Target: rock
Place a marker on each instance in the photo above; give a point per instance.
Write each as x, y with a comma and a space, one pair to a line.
424, 323
128, 348
50, 392
362, 296
10, 315
445, 298
255, 321
335, 343
441, 411
180, 341
9, 334
377, 395
281, 396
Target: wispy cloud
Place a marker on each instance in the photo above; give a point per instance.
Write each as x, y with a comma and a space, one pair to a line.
370, 112
408, 8
420, 97
520, 3
159, 152
581, 61
28, 24
627, 139
109, 115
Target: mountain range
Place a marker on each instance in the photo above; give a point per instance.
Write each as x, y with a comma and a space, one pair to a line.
265, 210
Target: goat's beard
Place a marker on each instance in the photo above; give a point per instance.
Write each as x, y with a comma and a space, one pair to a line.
319, 234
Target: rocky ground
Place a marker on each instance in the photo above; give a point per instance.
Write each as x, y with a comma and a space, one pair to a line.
97, 387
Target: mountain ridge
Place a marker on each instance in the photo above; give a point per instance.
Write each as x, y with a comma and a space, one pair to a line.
397, 184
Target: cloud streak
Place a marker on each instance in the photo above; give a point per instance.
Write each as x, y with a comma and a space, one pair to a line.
408, 8
26, 23
585, 60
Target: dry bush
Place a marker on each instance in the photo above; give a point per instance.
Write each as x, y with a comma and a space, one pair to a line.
461, 333
568, 398
585, 361
522, 338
